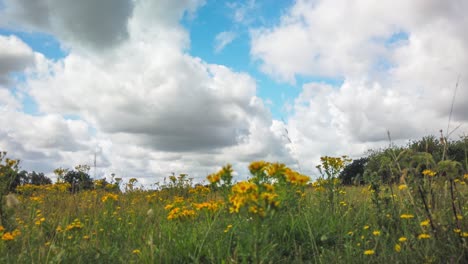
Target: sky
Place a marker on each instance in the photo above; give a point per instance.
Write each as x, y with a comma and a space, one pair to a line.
151, 88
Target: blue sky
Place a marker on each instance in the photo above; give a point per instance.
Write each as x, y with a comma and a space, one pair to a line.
155, 87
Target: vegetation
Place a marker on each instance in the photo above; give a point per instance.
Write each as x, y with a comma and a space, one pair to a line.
410, 205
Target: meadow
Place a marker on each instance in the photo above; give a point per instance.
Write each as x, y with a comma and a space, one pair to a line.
277, 216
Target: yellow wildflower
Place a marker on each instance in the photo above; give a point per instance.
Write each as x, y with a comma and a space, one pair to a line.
424, 236
136, 252
425, 223
257, 166
2, 228
369, 252
397, 248
227, 228
402, 239
464, 234
376, 233
366, 227
457, 230
214, 178
406, 216
7, 236
429, 173
402, 187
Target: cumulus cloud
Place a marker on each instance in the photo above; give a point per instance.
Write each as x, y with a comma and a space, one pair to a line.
15, 56
399, 61
94, 24
223, 39
146, 107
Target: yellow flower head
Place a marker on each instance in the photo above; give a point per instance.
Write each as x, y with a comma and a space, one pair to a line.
406, 216
402, 239
397, 248
7, 236
257, 166
402, 187
425, 223
429, 173
136, 252
424, 236
369, 252
376, 233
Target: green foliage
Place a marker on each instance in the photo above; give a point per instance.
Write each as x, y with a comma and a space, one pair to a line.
353, 173
79, 179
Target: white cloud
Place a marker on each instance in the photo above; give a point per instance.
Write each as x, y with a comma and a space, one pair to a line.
410, 95
16, 56
223, 39
148, 107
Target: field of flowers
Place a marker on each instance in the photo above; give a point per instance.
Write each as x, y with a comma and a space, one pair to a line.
277, 216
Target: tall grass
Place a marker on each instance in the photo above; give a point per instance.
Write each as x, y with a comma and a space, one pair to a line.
273, 218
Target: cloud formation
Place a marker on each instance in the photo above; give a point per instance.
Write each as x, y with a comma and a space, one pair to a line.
15, 57
95, 24
223, 39
399, 61
146, 106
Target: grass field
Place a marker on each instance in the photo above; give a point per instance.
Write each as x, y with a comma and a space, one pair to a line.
275, 217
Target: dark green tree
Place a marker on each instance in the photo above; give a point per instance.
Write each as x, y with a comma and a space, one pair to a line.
79, 179
353, 173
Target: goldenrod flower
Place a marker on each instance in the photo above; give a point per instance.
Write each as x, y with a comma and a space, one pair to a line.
7, 236
429, 173
397, 248
376, 233
402, 187
402, 239
136, 252
406, 216
369, 252
227, 228
366, 227
464, 234
424, 236
214, 178
457, 230
425, 223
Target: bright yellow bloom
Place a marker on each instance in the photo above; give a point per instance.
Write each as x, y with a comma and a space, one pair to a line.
2, 228
136, 252
257, 166
406, 216
429, 173
424, 236
464, 234
425, 223
402, 187
7, 236
376, 233
457, 230
244, 187
366, 227
402, 239
227, 228
214, 178
397, 248
110, 196
369, 252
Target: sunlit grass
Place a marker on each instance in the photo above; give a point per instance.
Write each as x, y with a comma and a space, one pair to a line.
276, 216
